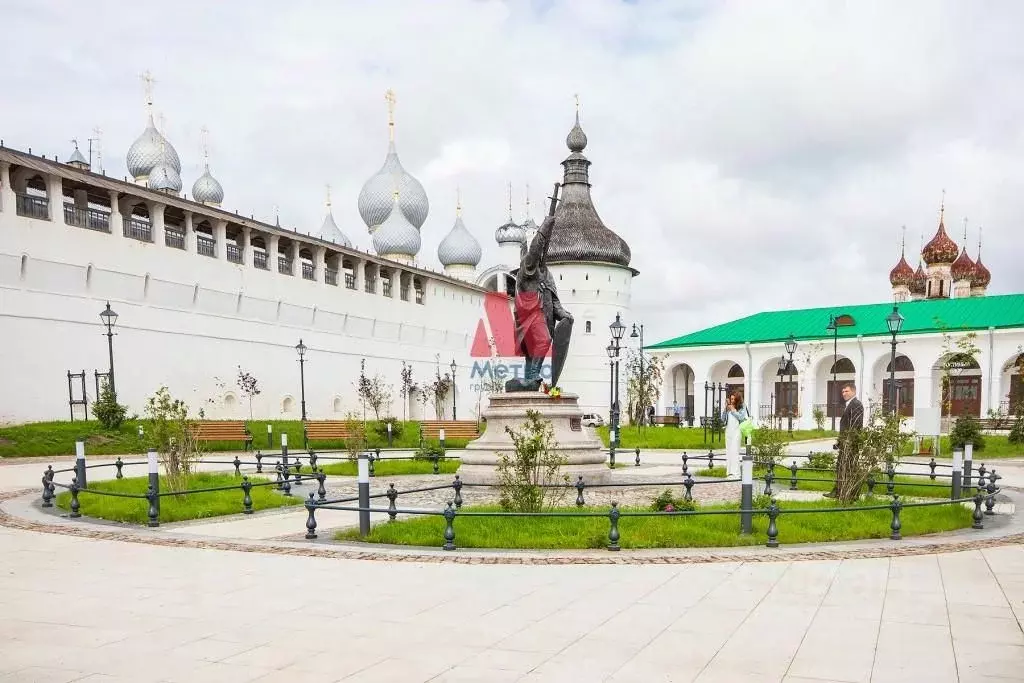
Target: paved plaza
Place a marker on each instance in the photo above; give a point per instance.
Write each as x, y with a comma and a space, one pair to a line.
92, 609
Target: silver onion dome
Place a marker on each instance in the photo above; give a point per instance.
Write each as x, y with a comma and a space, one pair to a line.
375, 199
459, 247
148, 150
576, 140
510, 233
332, 233
164, 177
396, 236
207, 190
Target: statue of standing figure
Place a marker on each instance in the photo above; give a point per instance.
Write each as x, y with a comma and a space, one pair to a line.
541, 321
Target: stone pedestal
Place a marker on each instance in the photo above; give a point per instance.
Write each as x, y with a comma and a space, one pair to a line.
578, 444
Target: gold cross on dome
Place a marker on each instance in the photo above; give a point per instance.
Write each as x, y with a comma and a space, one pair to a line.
577, 96
389, 97
458, 201
147, 84
328, 197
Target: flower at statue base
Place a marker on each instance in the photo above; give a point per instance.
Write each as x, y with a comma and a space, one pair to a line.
670, 508
553, 392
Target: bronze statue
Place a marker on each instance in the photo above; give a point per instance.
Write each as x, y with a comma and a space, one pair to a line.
541, 321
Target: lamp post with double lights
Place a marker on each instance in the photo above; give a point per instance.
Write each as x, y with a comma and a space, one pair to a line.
638, 333
791, 349
300, 348
454, 415
109, 318
894, 321
833, 328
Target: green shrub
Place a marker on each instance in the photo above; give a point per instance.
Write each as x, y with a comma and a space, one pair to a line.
821, 461
966, 430
107, 410
381, 428
530, 476
666, 502
428, 451
768, 445
1017, 431
819, 418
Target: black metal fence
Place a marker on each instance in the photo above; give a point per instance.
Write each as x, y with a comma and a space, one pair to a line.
290, 471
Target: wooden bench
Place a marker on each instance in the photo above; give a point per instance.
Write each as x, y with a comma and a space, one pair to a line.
222, 430
463, 430
666, 420
330, 430
998, 424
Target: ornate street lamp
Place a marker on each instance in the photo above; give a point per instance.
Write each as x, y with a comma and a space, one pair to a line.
618, 330
833, 328
454, 416
638, 333
300, 348
894, 321
109, 318
791, 349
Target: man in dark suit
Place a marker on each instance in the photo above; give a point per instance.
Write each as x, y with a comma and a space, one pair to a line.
851, 422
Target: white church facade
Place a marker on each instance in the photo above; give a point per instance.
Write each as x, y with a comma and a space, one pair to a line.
201, 292
945, 309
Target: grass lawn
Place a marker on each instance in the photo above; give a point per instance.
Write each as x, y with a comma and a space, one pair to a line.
996, 446
662, 532
392, 468
685, 437
174, 508
58, 438
906, 485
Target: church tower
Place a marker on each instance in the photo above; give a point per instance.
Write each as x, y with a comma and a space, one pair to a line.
939, 255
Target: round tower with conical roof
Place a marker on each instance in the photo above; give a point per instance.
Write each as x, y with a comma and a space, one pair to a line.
590, 265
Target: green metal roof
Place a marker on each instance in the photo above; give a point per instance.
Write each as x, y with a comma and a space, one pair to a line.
921, 317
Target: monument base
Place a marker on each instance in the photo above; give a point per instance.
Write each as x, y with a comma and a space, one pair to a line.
577, 444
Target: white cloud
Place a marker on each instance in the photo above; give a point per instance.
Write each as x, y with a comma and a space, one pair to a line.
755, 155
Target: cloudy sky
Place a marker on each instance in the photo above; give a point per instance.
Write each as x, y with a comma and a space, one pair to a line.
756, 155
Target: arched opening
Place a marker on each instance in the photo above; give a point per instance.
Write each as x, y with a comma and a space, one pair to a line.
1012, 402
33, 199
230, 403
260, 257
786, 396
174, 228
285, 264
136, 222
418, 289
680, 391
904, 386
288, 405
837, 375
336, 407
331, 262
349, 271
235, 243
23, 270
206, 245
308, 267
960, 382
370, 278
386, 282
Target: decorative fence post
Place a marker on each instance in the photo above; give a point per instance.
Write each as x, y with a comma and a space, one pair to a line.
298, 469
311, 520
75, 506
982, 471
637, 456
286, 483
686, 468
611, 456
364, 495
931, 466
436, 459
773, 529
270, 436
47, 499
457, 485
747, 493
371, 459
154, 487
956, 481
792, 476
579, 492
768, 479
711, 459
449, 529
284, 459
890, 476
896, 506
688, 483
321, 490
613, 532
990, 501
259, 462
238, 466
119, 464
978, 516
246, 497
280, 480
83, 481
871, 483
312, 460
392, 497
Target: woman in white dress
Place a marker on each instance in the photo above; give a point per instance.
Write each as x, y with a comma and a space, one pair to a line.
733, 415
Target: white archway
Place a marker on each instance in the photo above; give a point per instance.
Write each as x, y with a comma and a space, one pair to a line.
680, 391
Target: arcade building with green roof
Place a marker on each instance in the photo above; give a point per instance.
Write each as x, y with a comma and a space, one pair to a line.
942, 303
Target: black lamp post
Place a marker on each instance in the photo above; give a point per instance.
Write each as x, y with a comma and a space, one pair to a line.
894, 321
454, 415
618, 330
638, 333
301, 349
791, 349
834, 329
109, 318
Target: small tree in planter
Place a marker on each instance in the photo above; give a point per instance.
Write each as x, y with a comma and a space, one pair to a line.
107, 410
525, 477
249, 386
356, 441
768, 445
819, 418
406, 388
